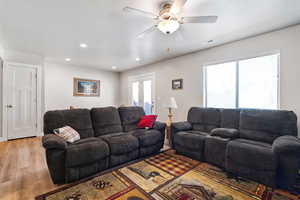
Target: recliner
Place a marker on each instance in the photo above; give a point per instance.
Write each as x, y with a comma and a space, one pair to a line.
150, 141
107, 124
261, 145
106, 141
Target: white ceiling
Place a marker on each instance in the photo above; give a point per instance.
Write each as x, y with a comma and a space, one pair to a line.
55, 28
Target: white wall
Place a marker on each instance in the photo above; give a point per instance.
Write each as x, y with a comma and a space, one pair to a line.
57, 84
59, 87
189, 67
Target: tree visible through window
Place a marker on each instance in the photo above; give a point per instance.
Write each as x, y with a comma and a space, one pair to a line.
251, 83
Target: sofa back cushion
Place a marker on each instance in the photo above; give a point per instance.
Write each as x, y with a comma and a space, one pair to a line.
130, 117
230, 118
267, 125
204, 119
106, 120
78, 119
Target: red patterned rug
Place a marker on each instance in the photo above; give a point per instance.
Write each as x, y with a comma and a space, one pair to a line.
167, 176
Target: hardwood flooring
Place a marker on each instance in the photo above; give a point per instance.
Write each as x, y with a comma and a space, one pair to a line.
23, 169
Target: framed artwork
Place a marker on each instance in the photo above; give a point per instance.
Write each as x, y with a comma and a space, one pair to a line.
86, 87
177, 84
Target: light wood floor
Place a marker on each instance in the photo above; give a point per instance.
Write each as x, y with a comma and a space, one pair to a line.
23, 169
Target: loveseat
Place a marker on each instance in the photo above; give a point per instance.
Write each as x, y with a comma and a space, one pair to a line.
261, 145
108, 137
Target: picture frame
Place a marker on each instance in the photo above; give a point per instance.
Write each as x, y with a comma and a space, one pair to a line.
86, 87
177, 84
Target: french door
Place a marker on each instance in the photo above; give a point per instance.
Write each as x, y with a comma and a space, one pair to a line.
142, 92
20, 100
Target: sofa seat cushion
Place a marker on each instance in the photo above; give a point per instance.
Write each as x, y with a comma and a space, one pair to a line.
86, 151
147, 137
121, 143
251, 154
193, 140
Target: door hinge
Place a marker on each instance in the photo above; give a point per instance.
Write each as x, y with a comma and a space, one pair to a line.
35, 75
36, 125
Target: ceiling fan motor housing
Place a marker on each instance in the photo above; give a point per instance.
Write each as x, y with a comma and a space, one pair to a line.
165, 11
168, 22
168, 26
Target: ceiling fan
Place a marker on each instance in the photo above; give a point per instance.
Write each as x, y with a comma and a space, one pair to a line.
169, 18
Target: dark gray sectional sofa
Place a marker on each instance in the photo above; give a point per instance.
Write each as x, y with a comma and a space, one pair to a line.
261, 145
109, 137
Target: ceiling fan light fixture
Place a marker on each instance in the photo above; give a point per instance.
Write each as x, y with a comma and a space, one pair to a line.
168, 26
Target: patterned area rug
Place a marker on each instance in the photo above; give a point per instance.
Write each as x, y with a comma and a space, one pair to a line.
167, 176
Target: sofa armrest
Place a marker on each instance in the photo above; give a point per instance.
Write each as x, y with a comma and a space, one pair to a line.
287, 151
225, 133
287, 145
180, 126
177, 127
52, 141
159, 126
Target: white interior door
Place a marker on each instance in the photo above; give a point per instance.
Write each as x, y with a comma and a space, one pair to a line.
21, 100
142, 92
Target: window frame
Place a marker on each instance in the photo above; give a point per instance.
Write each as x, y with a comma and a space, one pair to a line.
237, 61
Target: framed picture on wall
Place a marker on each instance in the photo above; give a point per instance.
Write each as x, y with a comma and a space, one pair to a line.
177, 84
86, 87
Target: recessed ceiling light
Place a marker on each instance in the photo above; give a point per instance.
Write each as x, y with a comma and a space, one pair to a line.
68, 59
83, 45
137, 59
114, 67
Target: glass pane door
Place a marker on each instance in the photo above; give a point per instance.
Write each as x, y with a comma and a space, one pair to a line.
147, 90
142, 93
135, 93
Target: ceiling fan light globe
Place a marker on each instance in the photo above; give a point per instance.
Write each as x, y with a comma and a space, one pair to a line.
168, 26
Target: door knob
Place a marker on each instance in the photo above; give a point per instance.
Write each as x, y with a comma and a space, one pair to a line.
9, 106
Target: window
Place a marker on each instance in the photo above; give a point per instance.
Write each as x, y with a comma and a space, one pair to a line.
251, 83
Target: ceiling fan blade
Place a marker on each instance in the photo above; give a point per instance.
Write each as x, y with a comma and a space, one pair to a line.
147, 31
200, 19
177, 6
140, 12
